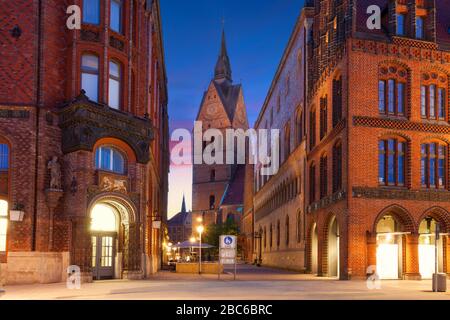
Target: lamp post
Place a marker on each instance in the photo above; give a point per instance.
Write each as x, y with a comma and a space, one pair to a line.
200, 230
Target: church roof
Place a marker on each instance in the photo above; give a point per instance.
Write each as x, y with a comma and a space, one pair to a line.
229, 95
178, 219
234, 193
223, 66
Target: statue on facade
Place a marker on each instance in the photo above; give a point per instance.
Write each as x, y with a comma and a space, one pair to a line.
55, 173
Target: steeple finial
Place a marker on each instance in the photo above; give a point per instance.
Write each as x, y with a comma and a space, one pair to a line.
223, 67
183, 205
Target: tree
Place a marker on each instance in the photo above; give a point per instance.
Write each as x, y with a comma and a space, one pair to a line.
213, 232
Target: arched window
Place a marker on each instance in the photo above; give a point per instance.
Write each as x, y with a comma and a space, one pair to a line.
91, 11
278, 234
109, 159
392, 90
323, 116
337, 100
212, 200
433, 165
89, 76
114, 85
299, 226
312, 183
433, 102
337, 167
312, 129
391, 162
3, 224
116, 16
323, 176
103, 218
287, 231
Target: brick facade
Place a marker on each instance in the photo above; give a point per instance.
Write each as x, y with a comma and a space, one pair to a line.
43, 114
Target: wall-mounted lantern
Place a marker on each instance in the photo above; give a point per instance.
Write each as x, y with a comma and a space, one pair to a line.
16, 214
156, 222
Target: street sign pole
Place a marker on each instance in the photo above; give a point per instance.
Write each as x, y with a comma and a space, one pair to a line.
227, 252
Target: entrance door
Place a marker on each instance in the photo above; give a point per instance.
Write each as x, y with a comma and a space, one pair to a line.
103, 253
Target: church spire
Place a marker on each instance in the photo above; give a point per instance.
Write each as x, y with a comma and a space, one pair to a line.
183, 205
223, 67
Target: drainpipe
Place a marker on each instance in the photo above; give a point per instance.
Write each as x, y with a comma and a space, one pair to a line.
38, 112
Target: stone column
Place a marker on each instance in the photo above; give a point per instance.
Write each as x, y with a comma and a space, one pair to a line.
412, 257
53, 197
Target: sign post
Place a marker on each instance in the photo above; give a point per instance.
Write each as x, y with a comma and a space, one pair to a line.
227, 252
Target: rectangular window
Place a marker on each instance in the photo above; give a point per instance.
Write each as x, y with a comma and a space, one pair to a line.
441, 103
400, 98
114, 85
433, 101
3, 224
391, 96
401, 24
4, 157
89, 76
419, 28
423, 164
381, 96
391, 161
401, 163
91, 11
381, 162
423, 101
116, 16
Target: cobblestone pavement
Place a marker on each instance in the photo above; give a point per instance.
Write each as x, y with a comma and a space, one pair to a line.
252, 283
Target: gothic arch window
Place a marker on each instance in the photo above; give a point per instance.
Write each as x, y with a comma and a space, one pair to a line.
323, 116
299, 226
337, 167
433, 164
312, 129
433, 96
337, 100
392, 90
109, 158
90, 75
323, 176
392, 161
278, 234
312, 183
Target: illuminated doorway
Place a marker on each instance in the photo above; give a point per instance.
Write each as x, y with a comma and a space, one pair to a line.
314, 249
427, 253
389, 248
104, 228
333, 248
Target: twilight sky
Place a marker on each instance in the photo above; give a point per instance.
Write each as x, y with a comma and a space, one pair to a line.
257, 32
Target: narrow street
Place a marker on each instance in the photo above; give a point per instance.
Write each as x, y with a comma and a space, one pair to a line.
252, 283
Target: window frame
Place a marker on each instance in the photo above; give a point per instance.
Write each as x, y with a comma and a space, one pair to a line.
430, 105
436, 156
99, 14
119, 80
392, 97
386, 152
121, 16
113, 149
86, 70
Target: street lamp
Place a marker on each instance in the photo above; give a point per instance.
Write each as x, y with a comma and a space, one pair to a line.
200, 230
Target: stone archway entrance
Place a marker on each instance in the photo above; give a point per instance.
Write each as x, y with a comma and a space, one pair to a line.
333, 248
110, 238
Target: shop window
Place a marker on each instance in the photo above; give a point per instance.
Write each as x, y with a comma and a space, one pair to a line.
3, 224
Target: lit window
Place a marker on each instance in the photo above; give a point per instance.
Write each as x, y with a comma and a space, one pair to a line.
109, 159
116, 16
103, 218
4, 157
401, 24
91, 11
391, 162
419, 28
114, 85
433, 167
3, 224
89, 76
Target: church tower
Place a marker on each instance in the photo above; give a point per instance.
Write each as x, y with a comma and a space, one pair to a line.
222, 108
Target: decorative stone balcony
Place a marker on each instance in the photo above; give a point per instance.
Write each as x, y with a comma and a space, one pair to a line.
84, 122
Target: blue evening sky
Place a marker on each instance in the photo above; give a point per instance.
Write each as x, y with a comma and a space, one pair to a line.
257, 32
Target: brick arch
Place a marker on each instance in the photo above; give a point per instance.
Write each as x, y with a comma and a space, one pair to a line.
401, 215
442, 138
325, 232
395, 63
388, 134
439, 214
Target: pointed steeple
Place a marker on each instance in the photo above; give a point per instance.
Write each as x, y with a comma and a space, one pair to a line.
223, 67
183, 205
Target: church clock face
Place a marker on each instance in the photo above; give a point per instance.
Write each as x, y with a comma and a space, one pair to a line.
212, 109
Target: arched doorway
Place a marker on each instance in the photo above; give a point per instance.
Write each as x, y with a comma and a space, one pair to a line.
333, 248
314, 249
111, 237
427, 249
389, 248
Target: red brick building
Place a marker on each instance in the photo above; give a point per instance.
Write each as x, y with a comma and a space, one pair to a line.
378, 139
83, 140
